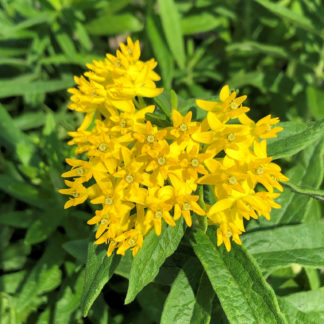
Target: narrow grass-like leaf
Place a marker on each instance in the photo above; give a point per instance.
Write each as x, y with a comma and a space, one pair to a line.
114, 24
199, 22
304, 307
19, 219
15, 140
180, 303
297, 19
257, 48
161, 52
12, 87
279, 247
22, 191
44, 277
98, 271
151, 256
315, 101
243, 292
294, 138
172, 29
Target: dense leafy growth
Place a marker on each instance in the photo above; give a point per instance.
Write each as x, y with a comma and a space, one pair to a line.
50, 272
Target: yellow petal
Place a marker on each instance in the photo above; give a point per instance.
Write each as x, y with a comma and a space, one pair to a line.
224, 93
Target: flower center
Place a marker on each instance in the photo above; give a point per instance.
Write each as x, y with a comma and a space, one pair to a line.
234, 105
129, 178
102, 147
186, 206
158, 214
117, 63
131, 241
161, 160
232, 180
109, 201
231, 137
80, 171
75, 194
259, 170
104, 221
122, 123
228, 234
183, 127
150, 138
194, 162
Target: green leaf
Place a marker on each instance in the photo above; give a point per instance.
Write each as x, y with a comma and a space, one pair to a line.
294, 138
68, 299
204, 302
19, 219
14, 256
78, 249
315, 101
13, 139
161, 52
154, 296
304, 307
172, 29
28, 121
158, 119
180, 303
98, 271
164, 103
259, 48
22, 191
279, 247
298, 20
12, 87
199, 22
243, 292
114, 24
45, 276
151, 256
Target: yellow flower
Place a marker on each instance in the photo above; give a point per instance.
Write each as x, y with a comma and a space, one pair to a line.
230, 106
141, 175
78, 192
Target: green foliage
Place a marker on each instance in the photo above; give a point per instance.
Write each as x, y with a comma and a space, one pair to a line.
49, 270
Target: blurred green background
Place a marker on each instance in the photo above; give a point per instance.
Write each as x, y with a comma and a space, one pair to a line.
273, 51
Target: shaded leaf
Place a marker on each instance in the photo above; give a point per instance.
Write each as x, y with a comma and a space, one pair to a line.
98, 271
151, 256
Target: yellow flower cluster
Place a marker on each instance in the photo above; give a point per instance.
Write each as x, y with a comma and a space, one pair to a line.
142, 175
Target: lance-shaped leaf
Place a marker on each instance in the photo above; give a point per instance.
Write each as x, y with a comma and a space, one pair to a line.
294, 138
172, 29
243, 292
98, 271
280, 247
151, 256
